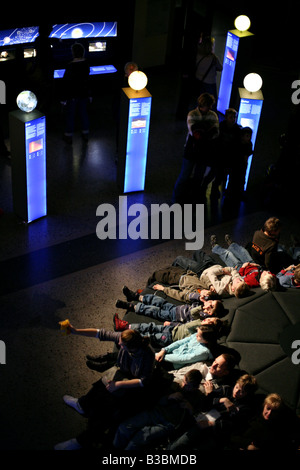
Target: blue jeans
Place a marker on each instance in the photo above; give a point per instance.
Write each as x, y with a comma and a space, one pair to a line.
234, 256
187, 263
142, 429
156, 307
160, 335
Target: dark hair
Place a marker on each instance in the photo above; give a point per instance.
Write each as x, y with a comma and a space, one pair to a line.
219, 308
246, 130
209, 333
134, 340
194, 377
230, 361
205, 99
273, 224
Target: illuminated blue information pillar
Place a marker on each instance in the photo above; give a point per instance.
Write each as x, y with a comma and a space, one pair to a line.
249, 116
234, 41
133, 140
28, 151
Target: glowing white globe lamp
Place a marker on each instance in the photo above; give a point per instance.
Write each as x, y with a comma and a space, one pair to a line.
26, 101
253, 82
137, 80
242, 23
77, 33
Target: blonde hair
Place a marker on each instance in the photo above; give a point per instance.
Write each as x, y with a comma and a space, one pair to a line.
268, 282
297, 273
274, 401
248, 383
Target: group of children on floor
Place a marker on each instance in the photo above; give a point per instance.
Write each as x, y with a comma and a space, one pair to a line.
170, 385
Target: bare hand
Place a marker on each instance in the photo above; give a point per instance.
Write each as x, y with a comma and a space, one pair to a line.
160, 355
208, 387
111, 386
158, 287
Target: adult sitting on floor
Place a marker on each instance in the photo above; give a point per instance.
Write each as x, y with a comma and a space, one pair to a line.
131, 381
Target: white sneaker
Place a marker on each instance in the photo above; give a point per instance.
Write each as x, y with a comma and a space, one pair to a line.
71, 444
73, 402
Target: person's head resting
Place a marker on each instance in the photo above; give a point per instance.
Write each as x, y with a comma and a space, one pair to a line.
213, 307
207, 334
246, 385
272, 406
217, 324
272, 227
191, 380
78, 50
223, 365
132, 340
205, 102
267, 281
239, 288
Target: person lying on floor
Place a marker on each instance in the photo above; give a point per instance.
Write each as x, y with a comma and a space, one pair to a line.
162, 335
130, 382
170, 417
176, 292
223, 281
229, 409
236, 256
290, 276
154, 306
222, 371
194, 348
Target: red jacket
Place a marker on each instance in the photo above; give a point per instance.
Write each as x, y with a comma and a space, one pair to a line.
251, 275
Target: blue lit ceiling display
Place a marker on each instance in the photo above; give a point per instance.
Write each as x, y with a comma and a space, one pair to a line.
14, 36
84, 30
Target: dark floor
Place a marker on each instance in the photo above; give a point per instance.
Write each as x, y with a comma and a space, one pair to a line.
56, 268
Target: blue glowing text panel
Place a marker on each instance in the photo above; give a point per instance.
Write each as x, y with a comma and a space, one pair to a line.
229, 61
84, 30
94, 70
13, 36
249, 116
35, 134
137, 144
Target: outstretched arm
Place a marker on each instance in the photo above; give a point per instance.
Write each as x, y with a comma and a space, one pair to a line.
91, 332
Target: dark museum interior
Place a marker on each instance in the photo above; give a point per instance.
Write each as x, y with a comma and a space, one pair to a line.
56, 268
